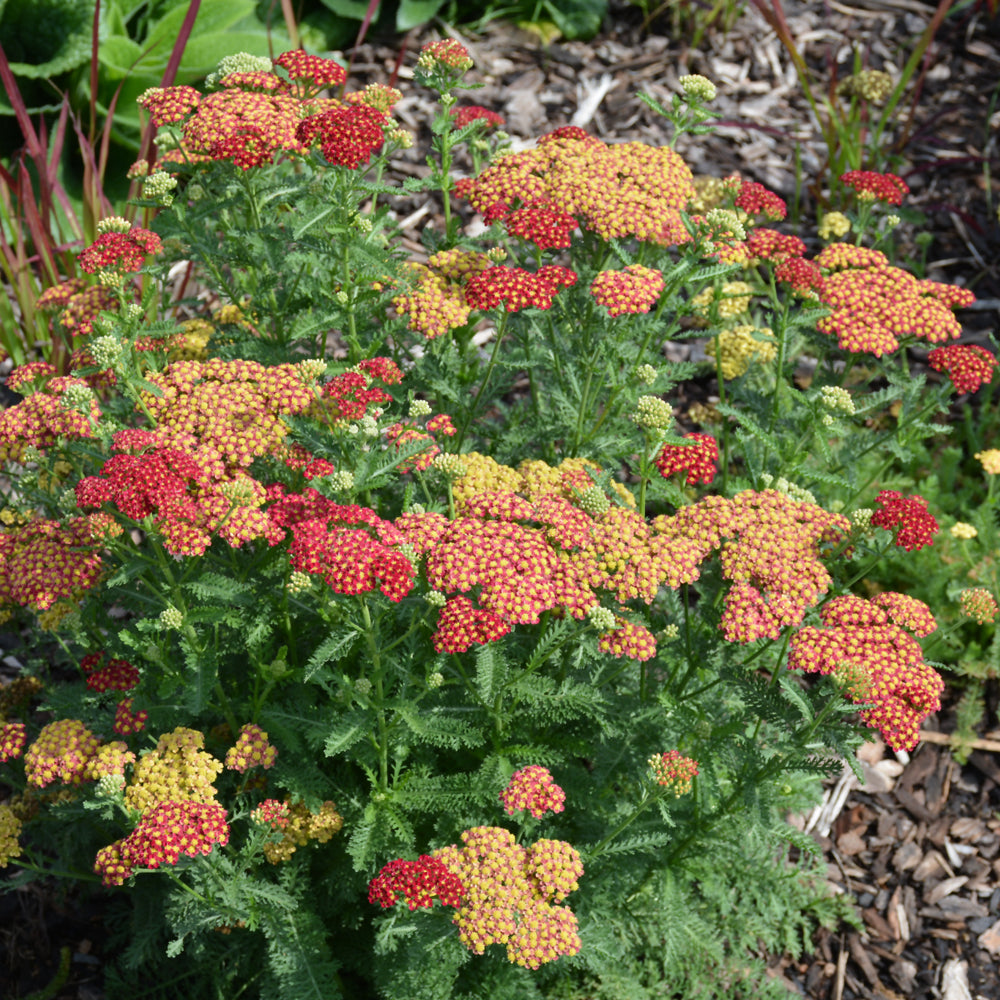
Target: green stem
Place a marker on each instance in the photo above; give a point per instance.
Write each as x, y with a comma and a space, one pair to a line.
383, 728
471, 412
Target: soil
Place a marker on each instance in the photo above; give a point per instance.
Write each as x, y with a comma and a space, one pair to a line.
919, 844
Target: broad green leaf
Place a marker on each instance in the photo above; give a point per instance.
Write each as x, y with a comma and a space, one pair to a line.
414, 12
354, 9
43, 38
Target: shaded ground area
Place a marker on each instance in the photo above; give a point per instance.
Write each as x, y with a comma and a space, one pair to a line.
919, 844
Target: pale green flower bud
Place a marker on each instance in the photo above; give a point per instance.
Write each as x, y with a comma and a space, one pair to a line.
159, 185
698, 88
722, 220
593, 501
603, 619
654, 413
646, 374
113, 224
668, 633
109, 785
341, 480
436, 599
170, 618
77, 397
836, 398
420, 408
298, 582
435, 680
363, 687
450, 466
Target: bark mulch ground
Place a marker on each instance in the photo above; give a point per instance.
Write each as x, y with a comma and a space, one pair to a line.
918, 845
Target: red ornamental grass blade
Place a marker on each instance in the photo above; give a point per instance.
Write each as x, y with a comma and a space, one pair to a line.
366, 21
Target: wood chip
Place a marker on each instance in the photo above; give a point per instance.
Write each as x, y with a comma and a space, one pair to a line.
990, 939
945, 888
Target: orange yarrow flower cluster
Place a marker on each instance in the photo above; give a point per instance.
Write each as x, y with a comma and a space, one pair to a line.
79, 304
874, 304
674, 771
625, 190
177, 770
41, 419
511, 892
632, 290
875, 637
979, 604
13, 736
44, 561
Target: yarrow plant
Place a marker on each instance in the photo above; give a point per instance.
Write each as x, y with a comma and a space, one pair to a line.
388, 558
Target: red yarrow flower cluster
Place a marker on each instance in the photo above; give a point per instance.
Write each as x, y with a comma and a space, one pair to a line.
967, 365
697, 459
547, 227
121, 252
516, 289
873, 186
474, 113
313, 69
272, 813
115, 675
418, 882
871, 637
755, 199
914, 524
532, 790
167, 831
674, 771
251, 750
348, 136
633, 290
128, 722
350, 547
804, 276
461, 625
769, 244
351, 393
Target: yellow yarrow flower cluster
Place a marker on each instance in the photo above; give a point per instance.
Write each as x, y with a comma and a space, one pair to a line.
737, 348
833, 226
178, 770
732, 299
990, 460
962, 529
10, 830
302, 827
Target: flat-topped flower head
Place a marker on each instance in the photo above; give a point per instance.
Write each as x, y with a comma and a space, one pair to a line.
979, 605
873, 305
347, 136
755, 199
532, 790
990, 461
10, 831
448, 54
511, 894
914, 524
167, 831
60, 752
674, 771
168, 105
632, 290
697, 459
697, 87
515, 289
873, 186
177, 770
628, 639
115, 675
618, 191
418, 882
271, 813
314, 70
902, 689
967, 365
737, 348
120, 252
13, 736
474, 113
251, 750
548, 228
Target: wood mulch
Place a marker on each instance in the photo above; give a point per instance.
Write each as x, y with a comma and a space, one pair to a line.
918, 845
